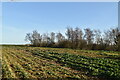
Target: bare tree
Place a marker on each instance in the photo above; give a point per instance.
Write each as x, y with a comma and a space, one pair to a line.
71, 35
78, 37
68, 33
117, 38
107, 38
110, 40
35, 38
52, 37
46, 39
89, 35
60, 37
98, 36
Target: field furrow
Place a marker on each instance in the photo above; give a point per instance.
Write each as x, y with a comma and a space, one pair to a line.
45, 63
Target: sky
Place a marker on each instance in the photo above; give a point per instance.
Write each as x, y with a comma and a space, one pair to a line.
19, 18
59, 0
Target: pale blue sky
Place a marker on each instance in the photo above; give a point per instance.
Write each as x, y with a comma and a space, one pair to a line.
21, 18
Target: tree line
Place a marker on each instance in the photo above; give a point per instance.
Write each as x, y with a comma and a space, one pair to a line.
77, 38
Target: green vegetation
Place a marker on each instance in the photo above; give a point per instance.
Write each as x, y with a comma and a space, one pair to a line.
23, 62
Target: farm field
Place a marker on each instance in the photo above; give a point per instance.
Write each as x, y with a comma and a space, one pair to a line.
22, 62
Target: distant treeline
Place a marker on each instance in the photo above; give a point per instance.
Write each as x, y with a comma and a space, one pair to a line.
77, 39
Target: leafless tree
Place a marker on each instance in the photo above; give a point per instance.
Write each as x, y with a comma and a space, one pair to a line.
98, 36
77, 39
35, 38
59, 37
52, 37
117, 38
89, 35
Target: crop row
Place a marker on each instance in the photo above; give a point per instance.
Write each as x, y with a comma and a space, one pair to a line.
101, 67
